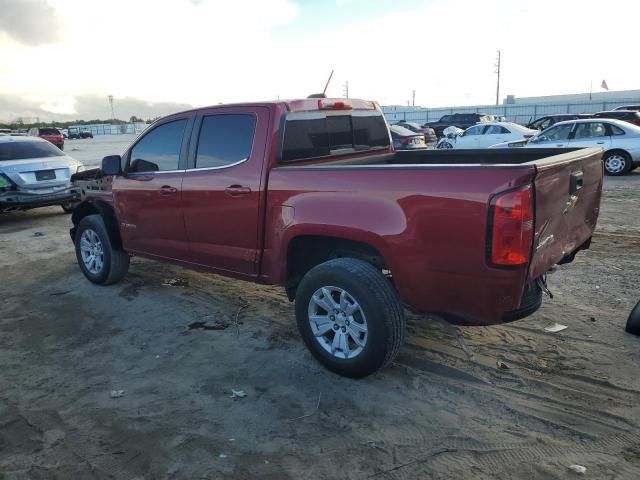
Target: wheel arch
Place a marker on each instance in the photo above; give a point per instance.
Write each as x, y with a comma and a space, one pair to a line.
108, 214
305, 251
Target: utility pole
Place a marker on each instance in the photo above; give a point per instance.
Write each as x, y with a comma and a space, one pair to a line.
110, 97
413, 98
497, 71
345, 90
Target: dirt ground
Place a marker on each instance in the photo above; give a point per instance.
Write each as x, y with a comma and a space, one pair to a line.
566, 398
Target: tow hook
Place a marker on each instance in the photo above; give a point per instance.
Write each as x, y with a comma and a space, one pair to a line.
542, 283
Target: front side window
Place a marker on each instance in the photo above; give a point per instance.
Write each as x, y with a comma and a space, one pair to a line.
590, 130
158, 150
477, 130
560, 132
225, 139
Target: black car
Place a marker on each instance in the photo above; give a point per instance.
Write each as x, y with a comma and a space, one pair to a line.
548, 120
75, 133
460, 120
630, 116
428, 133
628, 107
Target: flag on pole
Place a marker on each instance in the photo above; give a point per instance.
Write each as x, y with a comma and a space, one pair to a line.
604, 85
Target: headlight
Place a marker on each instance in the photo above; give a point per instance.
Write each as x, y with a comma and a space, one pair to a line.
5, 182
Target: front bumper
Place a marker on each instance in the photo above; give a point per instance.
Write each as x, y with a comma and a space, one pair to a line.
17, 200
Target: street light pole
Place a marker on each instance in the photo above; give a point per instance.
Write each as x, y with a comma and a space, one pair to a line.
497, 71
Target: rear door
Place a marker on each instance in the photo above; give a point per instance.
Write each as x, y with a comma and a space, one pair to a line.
148, 196
567, 202
221, 189
591, 134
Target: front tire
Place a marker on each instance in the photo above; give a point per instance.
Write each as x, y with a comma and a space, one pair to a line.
444, 146
349, 316
99, 261
617, 164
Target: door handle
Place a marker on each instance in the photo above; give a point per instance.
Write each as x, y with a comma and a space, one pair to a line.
237, 191
168, 190
600, 143
560, 145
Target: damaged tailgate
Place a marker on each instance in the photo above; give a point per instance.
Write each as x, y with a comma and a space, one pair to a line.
567, 204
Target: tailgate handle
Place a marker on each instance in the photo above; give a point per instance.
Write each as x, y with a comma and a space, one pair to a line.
575, 182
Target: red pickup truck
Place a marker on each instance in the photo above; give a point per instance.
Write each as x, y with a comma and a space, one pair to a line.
309, 194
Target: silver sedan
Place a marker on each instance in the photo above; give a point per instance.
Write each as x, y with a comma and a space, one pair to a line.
35, 173
620, 141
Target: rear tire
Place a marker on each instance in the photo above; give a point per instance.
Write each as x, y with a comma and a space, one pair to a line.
99, 261
617, 163
633, 322
366, 328
444, 146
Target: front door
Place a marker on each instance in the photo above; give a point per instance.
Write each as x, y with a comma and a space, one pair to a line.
556, 136
148, 196
221, 189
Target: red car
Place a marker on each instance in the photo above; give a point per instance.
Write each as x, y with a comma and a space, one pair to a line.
50, 134
308, 194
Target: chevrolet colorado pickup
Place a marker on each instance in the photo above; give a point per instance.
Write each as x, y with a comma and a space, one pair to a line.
309, 194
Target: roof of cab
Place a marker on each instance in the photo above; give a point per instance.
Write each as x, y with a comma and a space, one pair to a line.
295, 105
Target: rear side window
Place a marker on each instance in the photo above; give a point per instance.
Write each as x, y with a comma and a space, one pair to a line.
159, 149
306, 138
615, 130
24, 150
225, 139
590, 130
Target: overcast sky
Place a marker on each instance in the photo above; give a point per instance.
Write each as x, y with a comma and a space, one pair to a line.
63, 57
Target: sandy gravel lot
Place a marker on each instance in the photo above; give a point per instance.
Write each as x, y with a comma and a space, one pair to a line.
567, 398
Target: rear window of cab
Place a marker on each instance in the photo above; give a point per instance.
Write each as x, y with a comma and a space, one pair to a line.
311, 135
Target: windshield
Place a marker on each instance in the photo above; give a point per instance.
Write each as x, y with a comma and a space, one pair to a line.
24, 150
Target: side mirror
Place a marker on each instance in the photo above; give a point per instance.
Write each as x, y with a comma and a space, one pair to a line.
111, 165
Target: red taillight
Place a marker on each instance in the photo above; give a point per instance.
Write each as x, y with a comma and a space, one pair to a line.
511, 228
324, 104
527, 136
404, 141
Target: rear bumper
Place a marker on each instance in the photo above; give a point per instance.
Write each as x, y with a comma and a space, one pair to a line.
17, 200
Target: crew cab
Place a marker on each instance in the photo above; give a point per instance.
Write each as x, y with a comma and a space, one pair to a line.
309, 194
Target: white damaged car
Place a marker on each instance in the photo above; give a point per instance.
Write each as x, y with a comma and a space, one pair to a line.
35, 173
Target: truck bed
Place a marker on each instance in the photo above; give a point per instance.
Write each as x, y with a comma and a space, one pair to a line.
511, 156
427, 213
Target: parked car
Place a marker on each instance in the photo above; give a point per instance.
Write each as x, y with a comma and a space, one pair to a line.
624, 115
405, 139
308, 194
429, 133
549, 120
628, 107
34, 173
460, 120
620, 141
50, 134
75, 133
486, 134
5, 131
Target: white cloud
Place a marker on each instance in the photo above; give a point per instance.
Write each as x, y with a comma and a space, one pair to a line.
218, 51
